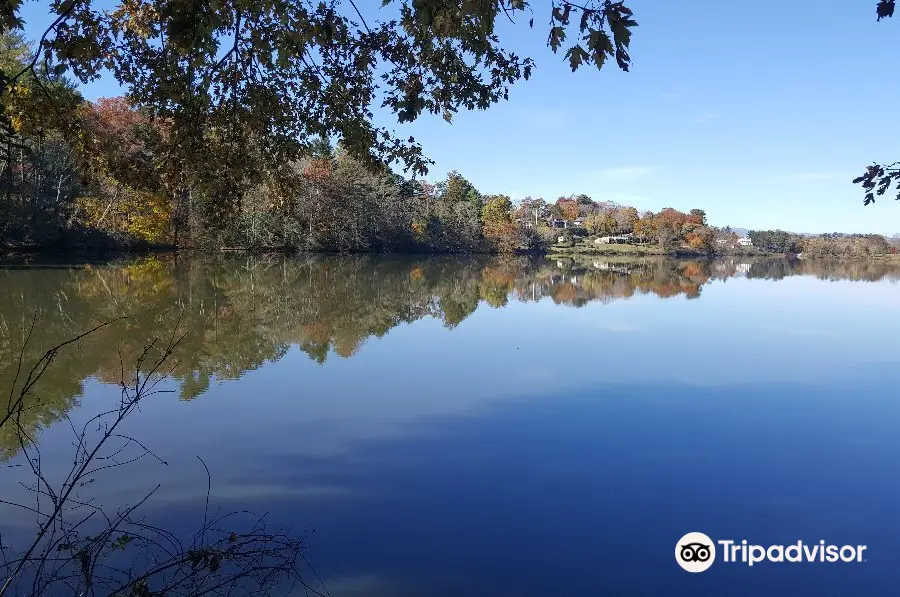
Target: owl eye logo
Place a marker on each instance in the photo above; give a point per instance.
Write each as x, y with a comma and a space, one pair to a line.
695, 552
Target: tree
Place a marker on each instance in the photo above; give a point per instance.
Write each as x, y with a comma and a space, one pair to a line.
645, 227
322, 148
129, 190
496, 211
568, 208
701, 239
459, 206
499, 228
532, 210
845, 245
725, 237
602, 223
776, 241
277, 74
456, 189
475, 200
586, 205
39, 177
119, 141
699, 216
626, 217
669, 224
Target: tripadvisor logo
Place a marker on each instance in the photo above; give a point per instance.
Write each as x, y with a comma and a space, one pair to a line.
696, 552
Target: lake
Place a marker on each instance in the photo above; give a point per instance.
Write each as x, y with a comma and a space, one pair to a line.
476, 426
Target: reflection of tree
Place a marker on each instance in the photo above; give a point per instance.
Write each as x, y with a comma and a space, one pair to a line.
497, 282
580, 283
867, 271
240, 313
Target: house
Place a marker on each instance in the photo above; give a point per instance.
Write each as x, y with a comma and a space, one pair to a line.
745, 242
558, 223
610, 240
579, 223
606, 266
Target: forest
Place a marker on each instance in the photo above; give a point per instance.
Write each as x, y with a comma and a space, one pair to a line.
99, 175
111, 175
829, 245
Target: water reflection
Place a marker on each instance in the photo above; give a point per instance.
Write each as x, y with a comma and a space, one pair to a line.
526, 427
239, 313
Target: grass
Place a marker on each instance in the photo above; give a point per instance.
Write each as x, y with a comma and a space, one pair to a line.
585, 247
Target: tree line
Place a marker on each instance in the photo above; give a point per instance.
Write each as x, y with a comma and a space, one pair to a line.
97, 175
226, 98
113, 174
101, 174
219, 141
669, 228
123, 172
828, 245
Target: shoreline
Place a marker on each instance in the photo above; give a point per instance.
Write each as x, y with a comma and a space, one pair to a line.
552, 252
647, 250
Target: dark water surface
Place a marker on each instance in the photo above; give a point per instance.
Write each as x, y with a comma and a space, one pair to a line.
487, 427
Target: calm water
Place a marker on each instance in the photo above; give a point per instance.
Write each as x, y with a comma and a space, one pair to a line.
486, 427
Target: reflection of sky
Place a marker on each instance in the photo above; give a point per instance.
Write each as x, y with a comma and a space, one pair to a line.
541, 449
794, 330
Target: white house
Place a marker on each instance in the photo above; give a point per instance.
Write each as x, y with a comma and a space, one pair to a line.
607, 240
745, 242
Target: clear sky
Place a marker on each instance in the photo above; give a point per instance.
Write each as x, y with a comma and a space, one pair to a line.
759, 113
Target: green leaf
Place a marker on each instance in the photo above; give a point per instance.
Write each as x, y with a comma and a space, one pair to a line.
557, 36
576, 56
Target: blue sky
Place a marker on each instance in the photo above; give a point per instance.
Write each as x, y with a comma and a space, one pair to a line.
759, 113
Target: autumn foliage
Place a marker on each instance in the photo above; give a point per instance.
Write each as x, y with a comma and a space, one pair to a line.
112, 173
568, 208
